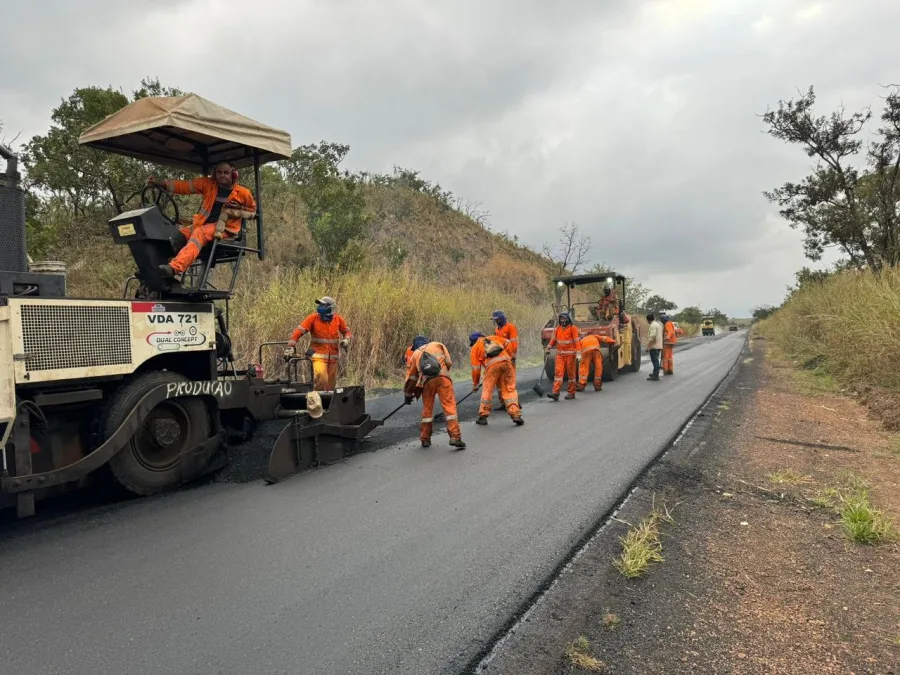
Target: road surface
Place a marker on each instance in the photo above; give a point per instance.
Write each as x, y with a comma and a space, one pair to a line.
404, 560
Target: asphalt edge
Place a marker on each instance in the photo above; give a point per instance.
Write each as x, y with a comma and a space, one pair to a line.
476, 664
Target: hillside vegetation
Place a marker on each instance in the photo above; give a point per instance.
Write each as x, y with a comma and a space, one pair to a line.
401, 255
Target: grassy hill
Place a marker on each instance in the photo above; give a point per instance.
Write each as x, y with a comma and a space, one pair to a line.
421, 267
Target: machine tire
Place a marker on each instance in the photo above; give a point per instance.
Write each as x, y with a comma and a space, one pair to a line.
550, 367
136, 469
635, 353
611, 367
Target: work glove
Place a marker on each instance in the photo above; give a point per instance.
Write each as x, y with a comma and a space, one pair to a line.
513, 359
345, 344
408, 400
309, 352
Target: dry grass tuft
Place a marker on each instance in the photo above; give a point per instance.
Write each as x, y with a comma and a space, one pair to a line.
578, 653
641, 545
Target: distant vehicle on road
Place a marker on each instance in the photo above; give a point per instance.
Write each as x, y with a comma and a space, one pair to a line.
733, 327
707, 327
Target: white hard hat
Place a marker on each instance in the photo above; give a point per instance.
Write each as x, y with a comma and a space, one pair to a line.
314, 405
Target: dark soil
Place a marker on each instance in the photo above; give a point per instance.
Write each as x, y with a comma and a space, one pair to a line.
755, 578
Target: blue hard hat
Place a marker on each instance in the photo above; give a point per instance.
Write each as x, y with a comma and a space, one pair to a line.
419, 341
473, 338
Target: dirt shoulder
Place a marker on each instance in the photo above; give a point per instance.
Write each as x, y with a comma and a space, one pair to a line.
760, 570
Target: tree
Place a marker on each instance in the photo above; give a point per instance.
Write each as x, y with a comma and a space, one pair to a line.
571, 250
763, 312
87, 179
690, 315
658, 304
718, 317
839, 205
335, 202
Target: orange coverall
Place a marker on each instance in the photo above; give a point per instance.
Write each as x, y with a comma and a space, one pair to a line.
325, 339
608, 306
498, 372
669, 341
201, 232
408, 356
510, 333
566, 342
440, 386
590, 353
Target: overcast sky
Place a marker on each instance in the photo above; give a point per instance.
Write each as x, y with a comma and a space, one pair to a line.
636, 119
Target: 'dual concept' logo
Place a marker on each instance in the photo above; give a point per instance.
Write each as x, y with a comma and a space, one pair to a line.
173, 340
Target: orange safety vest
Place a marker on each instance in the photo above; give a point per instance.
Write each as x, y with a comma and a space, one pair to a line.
209, 188
591, 343
669, 336
565, 340
510, 333
325, 336
436, 349
480, 359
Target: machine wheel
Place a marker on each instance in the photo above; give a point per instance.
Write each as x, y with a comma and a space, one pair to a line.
550, 367
635, 353
611, 366
151, 461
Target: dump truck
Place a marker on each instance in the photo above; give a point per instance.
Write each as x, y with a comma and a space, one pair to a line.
147, 387
625, 354
707, 326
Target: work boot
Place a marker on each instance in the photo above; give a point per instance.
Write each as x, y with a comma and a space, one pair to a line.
580, 387
570, 396
167, 270
482, 420
426, 444
518, 421
553, 397
667, 372
598, 387
653, 378
458, 443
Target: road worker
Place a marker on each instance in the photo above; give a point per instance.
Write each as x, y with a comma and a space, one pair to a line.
669, 340
328, 333
492, 354
507, 330
608, 305
591, 354
565, 339
427, 376
225, 204
407, 356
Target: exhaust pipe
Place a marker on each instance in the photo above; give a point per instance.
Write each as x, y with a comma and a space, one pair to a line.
13, 255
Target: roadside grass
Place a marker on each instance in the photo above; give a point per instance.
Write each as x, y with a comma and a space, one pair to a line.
611, 620
843, 342
860, 520
578, 653
641, 545
788, 477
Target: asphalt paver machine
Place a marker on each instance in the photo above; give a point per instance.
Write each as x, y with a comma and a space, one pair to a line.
146, 387
625, 354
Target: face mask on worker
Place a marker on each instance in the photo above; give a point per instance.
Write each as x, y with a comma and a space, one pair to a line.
564, 320
499, 318
607, 291
326, 312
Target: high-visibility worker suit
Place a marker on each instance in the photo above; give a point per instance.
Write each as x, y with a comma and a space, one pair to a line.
441, 386
238, 201
510, 333
325, 342
498, 372
565, 339
608, 306
669, 341
407, 357
591, 354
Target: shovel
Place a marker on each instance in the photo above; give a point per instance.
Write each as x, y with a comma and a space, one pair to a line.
440, 415
538, 389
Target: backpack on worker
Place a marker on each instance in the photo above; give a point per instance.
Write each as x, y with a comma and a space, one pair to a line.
492, 348
429, 365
